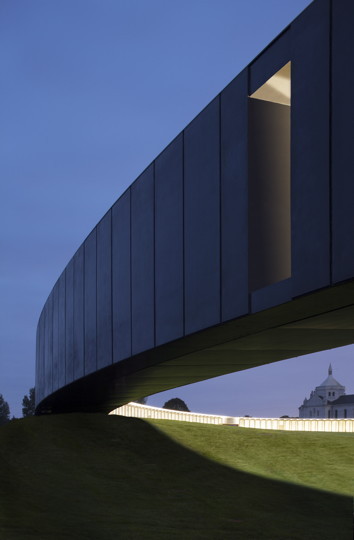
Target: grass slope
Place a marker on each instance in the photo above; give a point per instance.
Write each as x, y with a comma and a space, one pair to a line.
320, 460
106, 477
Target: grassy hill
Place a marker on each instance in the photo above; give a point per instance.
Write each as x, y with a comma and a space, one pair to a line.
103, 477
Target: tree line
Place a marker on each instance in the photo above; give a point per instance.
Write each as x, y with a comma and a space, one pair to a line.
28, 406
176, 404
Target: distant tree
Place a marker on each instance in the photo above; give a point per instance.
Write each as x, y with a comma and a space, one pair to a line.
176, 404
142, 400
4, 411
28, 403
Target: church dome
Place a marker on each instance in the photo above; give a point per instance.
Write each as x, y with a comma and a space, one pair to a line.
330, 381
327, 401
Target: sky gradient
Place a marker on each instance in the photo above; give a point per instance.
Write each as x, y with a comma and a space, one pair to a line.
91, 92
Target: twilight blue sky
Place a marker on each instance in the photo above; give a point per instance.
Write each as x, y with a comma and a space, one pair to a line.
91, 91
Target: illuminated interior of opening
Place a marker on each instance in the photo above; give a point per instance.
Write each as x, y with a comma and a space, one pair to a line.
278, 88
269, 181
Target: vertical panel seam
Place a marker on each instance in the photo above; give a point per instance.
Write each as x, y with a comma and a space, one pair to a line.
83, 309
44, 348
72, 314
154, 248
97, 294
54, 303
183, 236
113, 289
52, 317
131, 268
65, 326
249, 294
246, 122
58, 337
330, 164
130, 276
84, 306
96, 280
111, 281
220, 219
72, 319
74, 296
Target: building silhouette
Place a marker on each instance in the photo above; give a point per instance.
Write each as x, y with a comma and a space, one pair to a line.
328, 400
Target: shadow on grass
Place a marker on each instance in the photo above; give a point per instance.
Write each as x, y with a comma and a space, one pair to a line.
107, 477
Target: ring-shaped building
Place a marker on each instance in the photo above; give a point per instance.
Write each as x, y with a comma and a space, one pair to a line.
234, 248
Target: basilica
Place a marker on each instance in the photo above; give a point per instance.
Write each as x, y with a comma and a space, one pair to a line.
328, 400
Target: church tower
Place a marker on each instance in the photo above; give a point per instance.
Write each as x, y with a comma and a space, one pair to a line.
330, 389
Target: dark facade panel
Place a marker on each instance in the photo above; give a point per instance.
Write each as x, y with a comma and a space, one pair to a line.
42, 379
36, 382
202, 219
55, 295
44, 349
310, 75
79, 351
69, 322
104, 292
90, 303
61, 330
48, 347
169, 242
234, 198
40, 374
342, 140
43, 352
270, 61
270, 296
142, 238
121, 279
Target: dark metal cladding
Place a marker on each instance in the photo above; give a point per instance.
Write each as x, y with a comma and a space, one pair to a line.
342, 140
272, 295
142, 253
310, 150
202, 219
270, 61
40, 375
104, 292
90, 303
234, 198
56, 361
48, 347
121, 279
37, 384
169, 242
79, 350
61, 329
69, 322
217, 259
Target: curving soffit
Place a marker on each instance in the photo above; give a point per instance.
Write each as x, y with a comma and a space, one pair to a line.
233, 249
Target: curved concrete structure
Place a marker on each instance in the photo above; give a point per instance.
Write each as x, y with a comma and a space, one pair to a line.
333, 425
137, 410
234, 248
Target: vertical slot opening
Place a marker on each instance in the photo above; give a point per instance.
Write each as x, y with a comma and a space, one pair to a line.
269, 181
